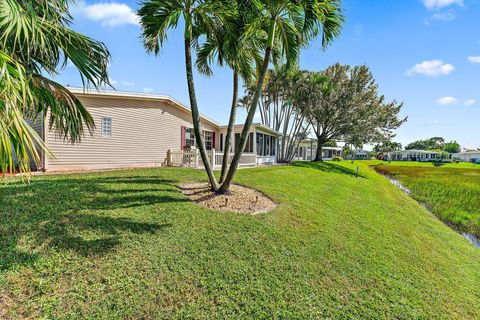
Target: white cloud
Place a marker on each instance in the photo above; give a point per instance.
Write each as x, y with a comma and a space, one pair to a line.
128, 83
112, 81
445, 101
443, 16
474, 59
470, 102
432, 68
148, 90
439, 4
110, 14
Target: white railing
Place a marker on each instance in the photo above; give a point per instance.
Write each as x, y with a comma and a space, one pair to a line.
192, 159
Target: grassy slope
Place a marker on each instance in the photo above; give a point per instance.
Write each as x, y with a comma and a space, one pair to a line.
128, 244
452, 194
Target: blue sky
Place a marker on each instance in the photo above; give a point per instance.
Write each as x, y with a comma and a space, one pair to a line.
425, 53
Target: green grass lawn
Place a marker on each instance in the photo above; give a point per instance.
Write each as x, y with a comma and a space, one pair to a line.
127, 244
452, 194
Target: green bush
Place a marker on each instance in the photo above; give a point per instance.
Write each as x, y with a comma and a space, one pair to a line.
337, 158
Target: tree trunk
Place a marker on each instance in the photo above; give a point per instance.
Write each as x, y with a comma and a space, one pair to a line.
251, 113
318, 156
230, 128
194, 108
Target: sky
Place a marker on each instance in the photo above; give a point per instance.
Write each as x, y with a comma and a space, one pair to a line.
424, 53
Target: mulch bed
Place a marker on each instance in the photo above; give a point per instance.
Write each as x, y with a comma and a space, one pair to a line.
240, 199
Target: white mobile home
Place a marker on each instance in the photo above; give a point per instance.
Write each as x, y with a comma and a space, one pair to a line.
468, 156
307, 150
360, 155
416, 155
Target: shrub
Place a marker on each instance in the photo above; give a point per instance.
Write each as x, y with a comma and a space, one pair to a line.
337, 158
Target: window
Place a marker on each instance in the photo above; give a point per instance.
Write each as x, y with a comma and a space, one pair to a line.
221, 141
266, 145
106, 127
274, 146
189, 138
248, 145
208, 139
260, 144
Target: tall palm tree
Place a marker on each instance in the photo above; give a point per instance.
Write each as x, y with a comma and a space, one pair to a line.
35, 42
230, 47
289, 26
157, 17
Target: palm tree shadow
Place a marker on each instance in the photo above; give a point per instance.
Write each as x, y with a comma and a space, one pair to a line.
328, 167
72, 213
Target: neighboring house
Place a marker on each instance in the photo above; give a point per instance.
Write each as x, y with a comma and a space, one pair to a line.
307, 151
358, 155
468, 156
361, 155
416, 155
145, 130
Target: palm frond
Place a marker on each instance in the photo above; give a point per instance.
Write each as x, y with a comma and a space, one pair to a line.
156, 18
18, 140
35, 39
66, 114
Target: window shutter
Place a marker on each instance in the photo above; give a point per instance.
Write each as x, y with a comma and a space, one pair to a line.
213, 140
183, 141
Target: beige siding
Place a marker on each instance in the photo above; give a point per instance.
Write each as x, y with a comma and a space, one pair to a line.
142, 133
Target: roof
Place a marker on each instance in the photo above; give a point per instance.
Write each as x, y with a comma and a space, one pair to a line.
137, 95
258, 125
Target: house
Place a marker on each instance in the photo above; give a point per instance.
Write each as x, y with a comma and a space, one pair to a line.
417, 155
307, 150
145, 130
361, 155
468, 156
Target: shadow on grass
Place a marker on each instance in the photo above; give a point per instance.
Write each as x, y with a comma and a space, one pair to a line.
438, 164
74, 214
328, 167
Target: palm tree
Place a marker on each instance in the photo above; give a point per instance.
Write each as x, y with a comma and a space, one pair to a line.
159, 16
229, 47
35, 42
289, 26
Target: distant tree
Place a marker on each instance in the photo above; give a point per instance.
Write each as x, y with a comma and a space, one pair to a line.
347, 151
331, 144
387, 146
434, 144
282, 107
428, 144
452, 147
348, 107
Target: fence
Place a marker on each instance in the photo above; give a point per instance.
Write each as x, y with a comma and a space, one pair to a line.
192, 159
